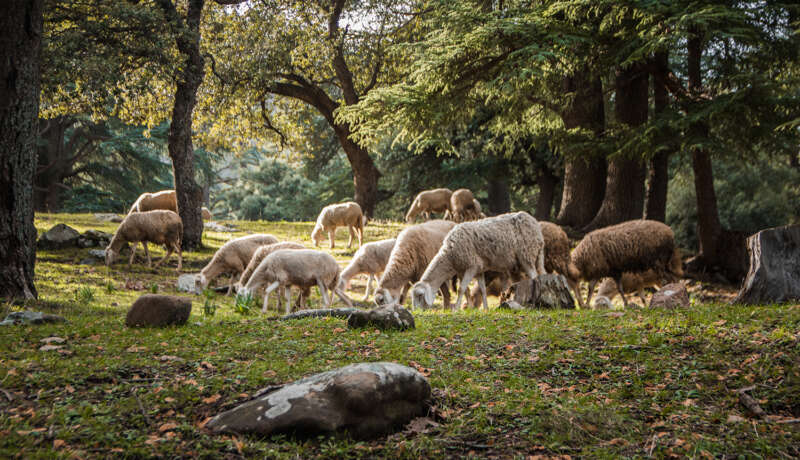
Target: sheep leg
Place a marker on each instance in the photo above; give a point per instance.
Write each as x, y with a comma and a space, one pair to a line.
592, 285
352, 233
641, 296
622, 294
270, 288
576, 289
403, 293
323, 291
468, 275
482, 287
288, 292
342, 296
169, 253
180, 256
230, 285
147, 254
133, 252
331, 235
369, 286
540, 263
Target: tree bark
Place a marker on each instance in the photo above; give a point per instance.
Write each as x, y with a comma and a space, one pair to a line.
365, 174
20, 40
547, 182
658, 173
181, 150
624, 197
497, 188
584, 174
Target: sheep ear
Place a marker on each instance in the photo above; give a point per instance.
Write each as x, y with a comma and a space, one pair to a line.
429, 297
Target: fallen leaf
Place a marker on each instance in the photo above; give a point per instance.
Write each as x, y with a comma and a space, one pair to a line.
50, 347
167, 426
736, 419
135, 349
58, 443
69, 389
212, 399
169, 400
53, 340
421, 425
204, 422
169, 358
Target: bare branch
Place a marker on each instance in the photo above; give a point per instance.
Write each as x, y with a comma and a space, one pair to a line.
268, 123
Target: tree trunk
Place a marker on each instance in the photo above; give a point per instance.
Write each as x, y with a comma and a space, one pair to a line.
497, 188
365, 174
547, 182
624, 197
658, 173
20, 40
584, 174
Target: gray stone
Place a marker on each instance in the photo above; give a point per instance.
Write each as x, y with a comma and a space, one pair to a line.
511, 305
384, 317
31, 317
673, 295
215, 227
546, 291
158, 310
774, 274
60, 236
108, 217
187, 283
98, 253
94, 238
365, 399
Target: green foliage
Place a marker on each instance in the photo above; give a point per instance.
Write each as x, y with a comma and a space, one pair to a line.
84, 294
153, 288
209, 305
245, 304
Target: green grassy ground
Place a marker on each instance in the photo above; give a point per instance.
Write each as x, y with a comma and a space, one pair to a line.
550, 383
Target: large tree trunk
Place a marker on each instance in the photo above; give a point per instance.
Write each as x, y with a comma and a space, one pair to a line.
658, 173
499, 199
584, 173
20, 39
624, 197
365, 174
547, 182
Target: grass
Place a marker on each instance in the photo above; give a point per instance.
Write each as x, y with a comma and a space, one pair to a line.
552, 383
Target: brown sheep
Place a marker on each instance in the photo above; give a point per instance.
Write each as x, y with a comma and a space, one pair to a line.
637, 282
159, 227
339, 215
165, 199
632, 246
462, 206
429, 201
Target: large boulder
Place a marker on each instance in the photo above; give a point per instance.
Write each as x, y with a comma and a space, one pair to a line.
673, 295
365, 399
385, 317
545, 292
774, 274
31, 317
158, 310
60, 236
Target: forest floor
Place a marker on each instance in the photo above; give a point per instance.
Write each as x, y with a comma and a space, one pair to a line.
561, 384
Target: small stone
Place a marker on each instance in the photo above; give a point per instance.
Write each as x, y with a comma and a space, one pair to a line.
158, 310
511, 305
108, 217
366, 399
188, 283
673, 295
60, 236
215, 227
31, 317
384, 317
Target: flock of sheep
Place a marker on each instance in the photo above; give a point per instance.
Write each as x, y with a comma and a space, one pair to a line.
436, 256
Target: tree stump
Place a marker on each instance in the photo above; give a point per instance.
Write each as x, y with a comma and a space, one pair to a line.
774, 274
546, 291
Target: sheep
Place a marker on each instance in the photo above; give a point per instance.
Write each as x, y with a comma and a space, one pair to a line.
259, 255
462, 206
637, 282
339, 215
478, 211
232, 258
429, 201
371, 259
415, 248
632, 246
509, 243
296, 267
206, 213
165, 199
159, 227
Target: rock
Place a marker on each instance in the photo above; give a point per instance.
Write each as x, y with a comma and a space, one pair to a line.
94, 238
673, 295
60, 236
366, 399
385, 317
108, 217
320, 313
511, 305
158, 310
602, 303
98, 253
215, 227
774, 274
88, 261
546, 291
187, 283
31, 317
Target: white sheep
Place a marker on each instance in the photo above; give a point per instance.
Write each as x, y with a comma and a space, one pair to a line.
415, 248
339, 215
429, 201
303, 268
232, 258
509, 243
159, 227
261, 253
370, 259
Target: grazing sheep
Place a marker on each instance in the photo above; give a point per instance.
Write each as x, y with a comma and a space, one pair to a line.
462, 206
159, 227
478, 211
429, 201
232, 258
637, 282
371, 259
509, 243
415, 248
258, 256
632, 246
165, 199
303, 268
339, 215
206, 213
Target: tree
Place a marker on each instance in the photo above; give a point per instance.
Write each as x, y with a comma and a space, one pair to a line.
20, 40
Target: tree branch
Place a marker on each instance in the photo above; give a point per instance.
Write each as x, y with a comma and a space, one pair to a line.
343, 73
268, 123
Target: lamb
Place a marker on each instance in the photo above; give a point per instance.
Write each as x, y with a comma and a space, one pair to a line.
509, 243
632, 246
429, 201
371, 259
415, 248
462, 206
261, 253
232, 258
339, 215
165, 199
296, 267
159, 227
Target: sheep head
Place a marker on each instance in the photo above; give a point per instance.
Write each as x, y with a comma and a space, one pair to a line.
201, 281
422, 295
316, 235
111, 256
385, 297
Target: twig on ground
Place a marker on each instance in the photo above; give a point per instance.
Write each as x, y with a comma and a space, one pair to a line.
141, 407
8, 395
